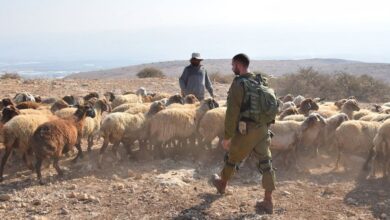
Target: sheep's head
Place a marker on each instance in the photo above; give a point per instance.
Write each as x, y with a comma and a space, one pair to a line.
104, 105
38, 99
308, 104
7, 102
287, 98
352, 105
85, 110
376, 108
313, 120
110, 96
175, 99
8, 113
156, 107
340, 103
141, 91
190, 99
91, 95
210, 103
341, 118
70, 99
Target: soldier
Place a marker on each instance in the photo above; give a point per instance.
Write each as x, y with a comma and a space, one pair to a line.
194, 79
246, 134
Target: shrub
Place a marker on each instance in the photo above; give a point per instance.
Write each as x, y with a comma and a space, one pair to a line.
221, 78
310, 83
10, 76
150, 72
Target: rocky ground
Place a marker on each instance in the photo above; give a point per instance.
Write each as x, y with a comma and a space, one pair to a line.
177, 187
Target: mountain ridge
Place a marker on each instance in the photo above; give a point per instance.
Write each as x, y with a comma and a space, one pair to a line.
274, 67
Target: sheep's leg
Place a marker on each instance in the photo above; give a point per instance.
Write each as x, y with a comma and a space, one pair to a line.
38, 165
79, 153
90, 143
27, 159
373, 166
338, 159
115, 150
128, 147
4, 161
371, 157
57, 167
101, 152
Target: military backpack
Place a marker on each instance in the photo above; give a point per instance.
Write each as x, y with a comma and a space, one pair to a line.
260, 104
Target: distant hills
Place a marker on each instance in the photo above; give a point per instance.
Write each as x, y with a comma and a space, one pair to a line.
273, 67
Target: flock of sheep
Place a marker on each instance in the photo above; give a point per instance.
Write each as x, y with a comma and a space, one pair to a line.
161, 123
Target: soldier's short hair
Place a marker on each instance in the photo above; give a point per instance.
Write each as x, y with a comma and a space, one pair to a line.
242, 58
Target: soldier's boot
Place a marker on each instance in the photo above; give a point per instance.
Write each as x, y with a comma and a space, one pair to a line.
219, 183
266, 205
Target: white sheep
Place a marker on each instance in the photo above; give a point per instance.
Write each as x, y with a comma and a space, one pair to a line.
122, 99
288, 135
326, 137
212, 125
178, 123
355, 137
17, 135
381, 150
349, 107
297, 100
23, 97
124, 127
133, 107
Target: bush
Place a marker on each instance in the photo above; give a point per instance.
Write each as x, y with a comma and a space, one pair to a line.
221, 78
310, 83
150, 72
10, 76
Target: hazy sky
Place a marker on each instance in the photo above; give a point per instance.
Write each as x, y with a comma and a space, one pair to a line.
151, 30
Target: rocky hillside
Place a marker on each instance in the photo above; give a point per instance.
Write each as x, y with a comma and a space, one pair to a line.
274, 67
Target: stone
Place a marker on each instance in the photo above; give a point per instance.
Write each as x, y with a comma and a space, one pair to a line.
64, 211
71, 195
82, 197
72, 187
5, 197
120, 186
352, 201
130, 173
36, 202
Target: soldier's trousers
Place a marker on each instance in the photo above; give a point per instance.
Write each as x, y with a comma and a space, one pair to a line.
256, 141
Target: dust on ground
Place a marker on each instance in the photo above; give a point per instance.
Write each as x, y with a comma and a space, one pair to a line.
147, 187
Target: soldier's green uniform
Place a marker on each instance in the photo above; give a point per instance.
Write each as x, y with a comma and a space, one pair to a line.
256, 141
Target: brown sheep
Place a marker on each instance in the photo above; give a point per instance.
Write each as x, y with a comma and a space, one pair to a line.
8, 113
306, 106
175, 99
53, 138
6, 102
58, 105
28, 104
90, 96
